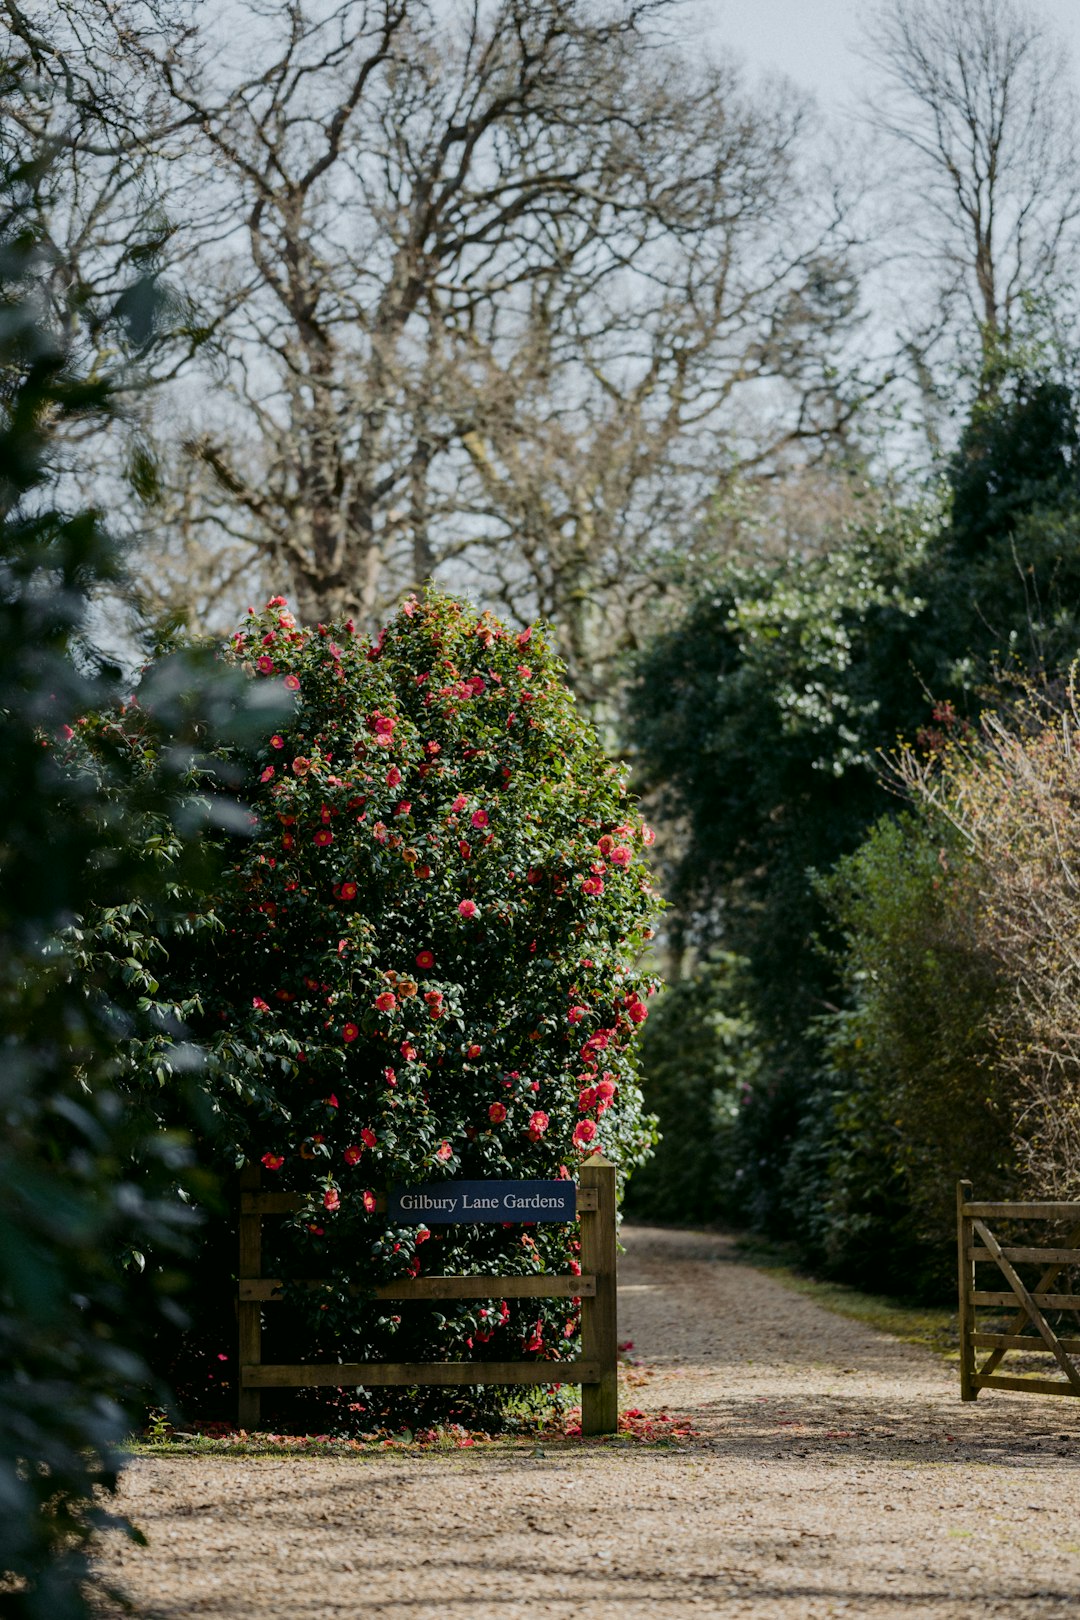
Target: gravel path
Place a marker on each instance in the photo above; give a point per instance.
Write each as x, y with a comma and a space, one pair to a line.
834, 1471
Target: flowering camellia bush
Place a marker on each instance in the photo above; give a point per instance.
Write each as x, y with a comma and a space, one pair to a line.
426, 965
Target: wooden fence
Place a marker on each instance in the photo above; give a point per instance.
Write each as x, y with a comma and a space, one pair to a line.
1029, 1330
596, 1369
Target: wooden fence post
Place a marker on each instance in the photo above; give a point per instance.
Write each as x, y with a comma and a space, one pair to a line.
599, 1315
966, 1281
249, 1413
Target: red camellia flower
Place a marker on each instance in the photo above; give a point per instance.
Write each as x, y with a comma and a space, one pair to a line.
538, 1124
576, 1014
474, 1051
352, 1154
480, 818
386, 1002
264, 665
331, 1101
584, 1131
606, 844
408, 1052
648, 836
605, 1091
349, 1033
459, 804
277, 742
465, 850
369, 1202
467, 908
593, 885
444, 1151
535, 1340
267, 774
422, 1234
331, 1199
323, 837
390, 1077
273, 1161
621, 855
348, 891
259, 1004
496, 1113
368, 1137
293, 683
425, 959
637, 1012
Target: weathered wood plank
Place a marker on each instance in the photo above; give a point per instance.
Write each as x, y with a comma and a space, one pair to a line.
1020, 1341
377, 1374
1047, 1280
1025, 1386
543, 1286
270, 1203
1039, 1321
1045, 1302
966, 1281
249, 1316
1042, 1257
1022, 1212
599, 1314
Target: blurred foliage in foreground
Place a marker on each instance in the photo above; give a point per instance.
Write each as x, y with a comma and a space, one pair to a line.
94, 1174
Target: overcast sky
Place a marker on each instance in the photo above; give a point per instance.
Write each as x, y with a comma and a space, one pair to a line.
810, 40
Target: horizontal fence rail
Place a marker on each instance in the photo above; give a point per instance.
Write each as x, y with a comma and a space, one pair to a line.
1029, 1329
596, 1369
268, 1290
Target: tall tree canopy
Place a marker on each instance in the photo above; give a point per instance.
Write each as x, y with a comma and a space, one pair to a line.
495, 291
975, 102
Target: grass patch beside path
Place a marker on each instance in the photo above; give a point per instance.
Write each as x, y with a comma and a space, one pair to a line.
932, 1326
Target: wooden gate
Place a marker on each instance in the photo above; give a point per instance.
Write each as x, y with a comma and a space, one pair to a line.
1029, 1330
596, 1369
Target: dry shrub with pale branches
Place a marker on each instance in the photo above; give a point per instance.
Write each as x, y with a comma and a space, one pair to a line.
1014, 795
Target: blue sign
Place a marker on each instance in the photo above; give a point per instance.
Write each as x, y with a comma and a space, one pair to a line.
446, 1201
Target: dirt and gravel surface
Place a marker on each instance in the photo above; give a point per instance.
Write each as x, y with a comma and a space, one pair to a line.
833, 1471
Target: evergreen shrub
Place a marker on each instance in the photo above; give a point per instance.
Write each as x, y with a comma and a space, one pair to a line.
699, 1062
424, 966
